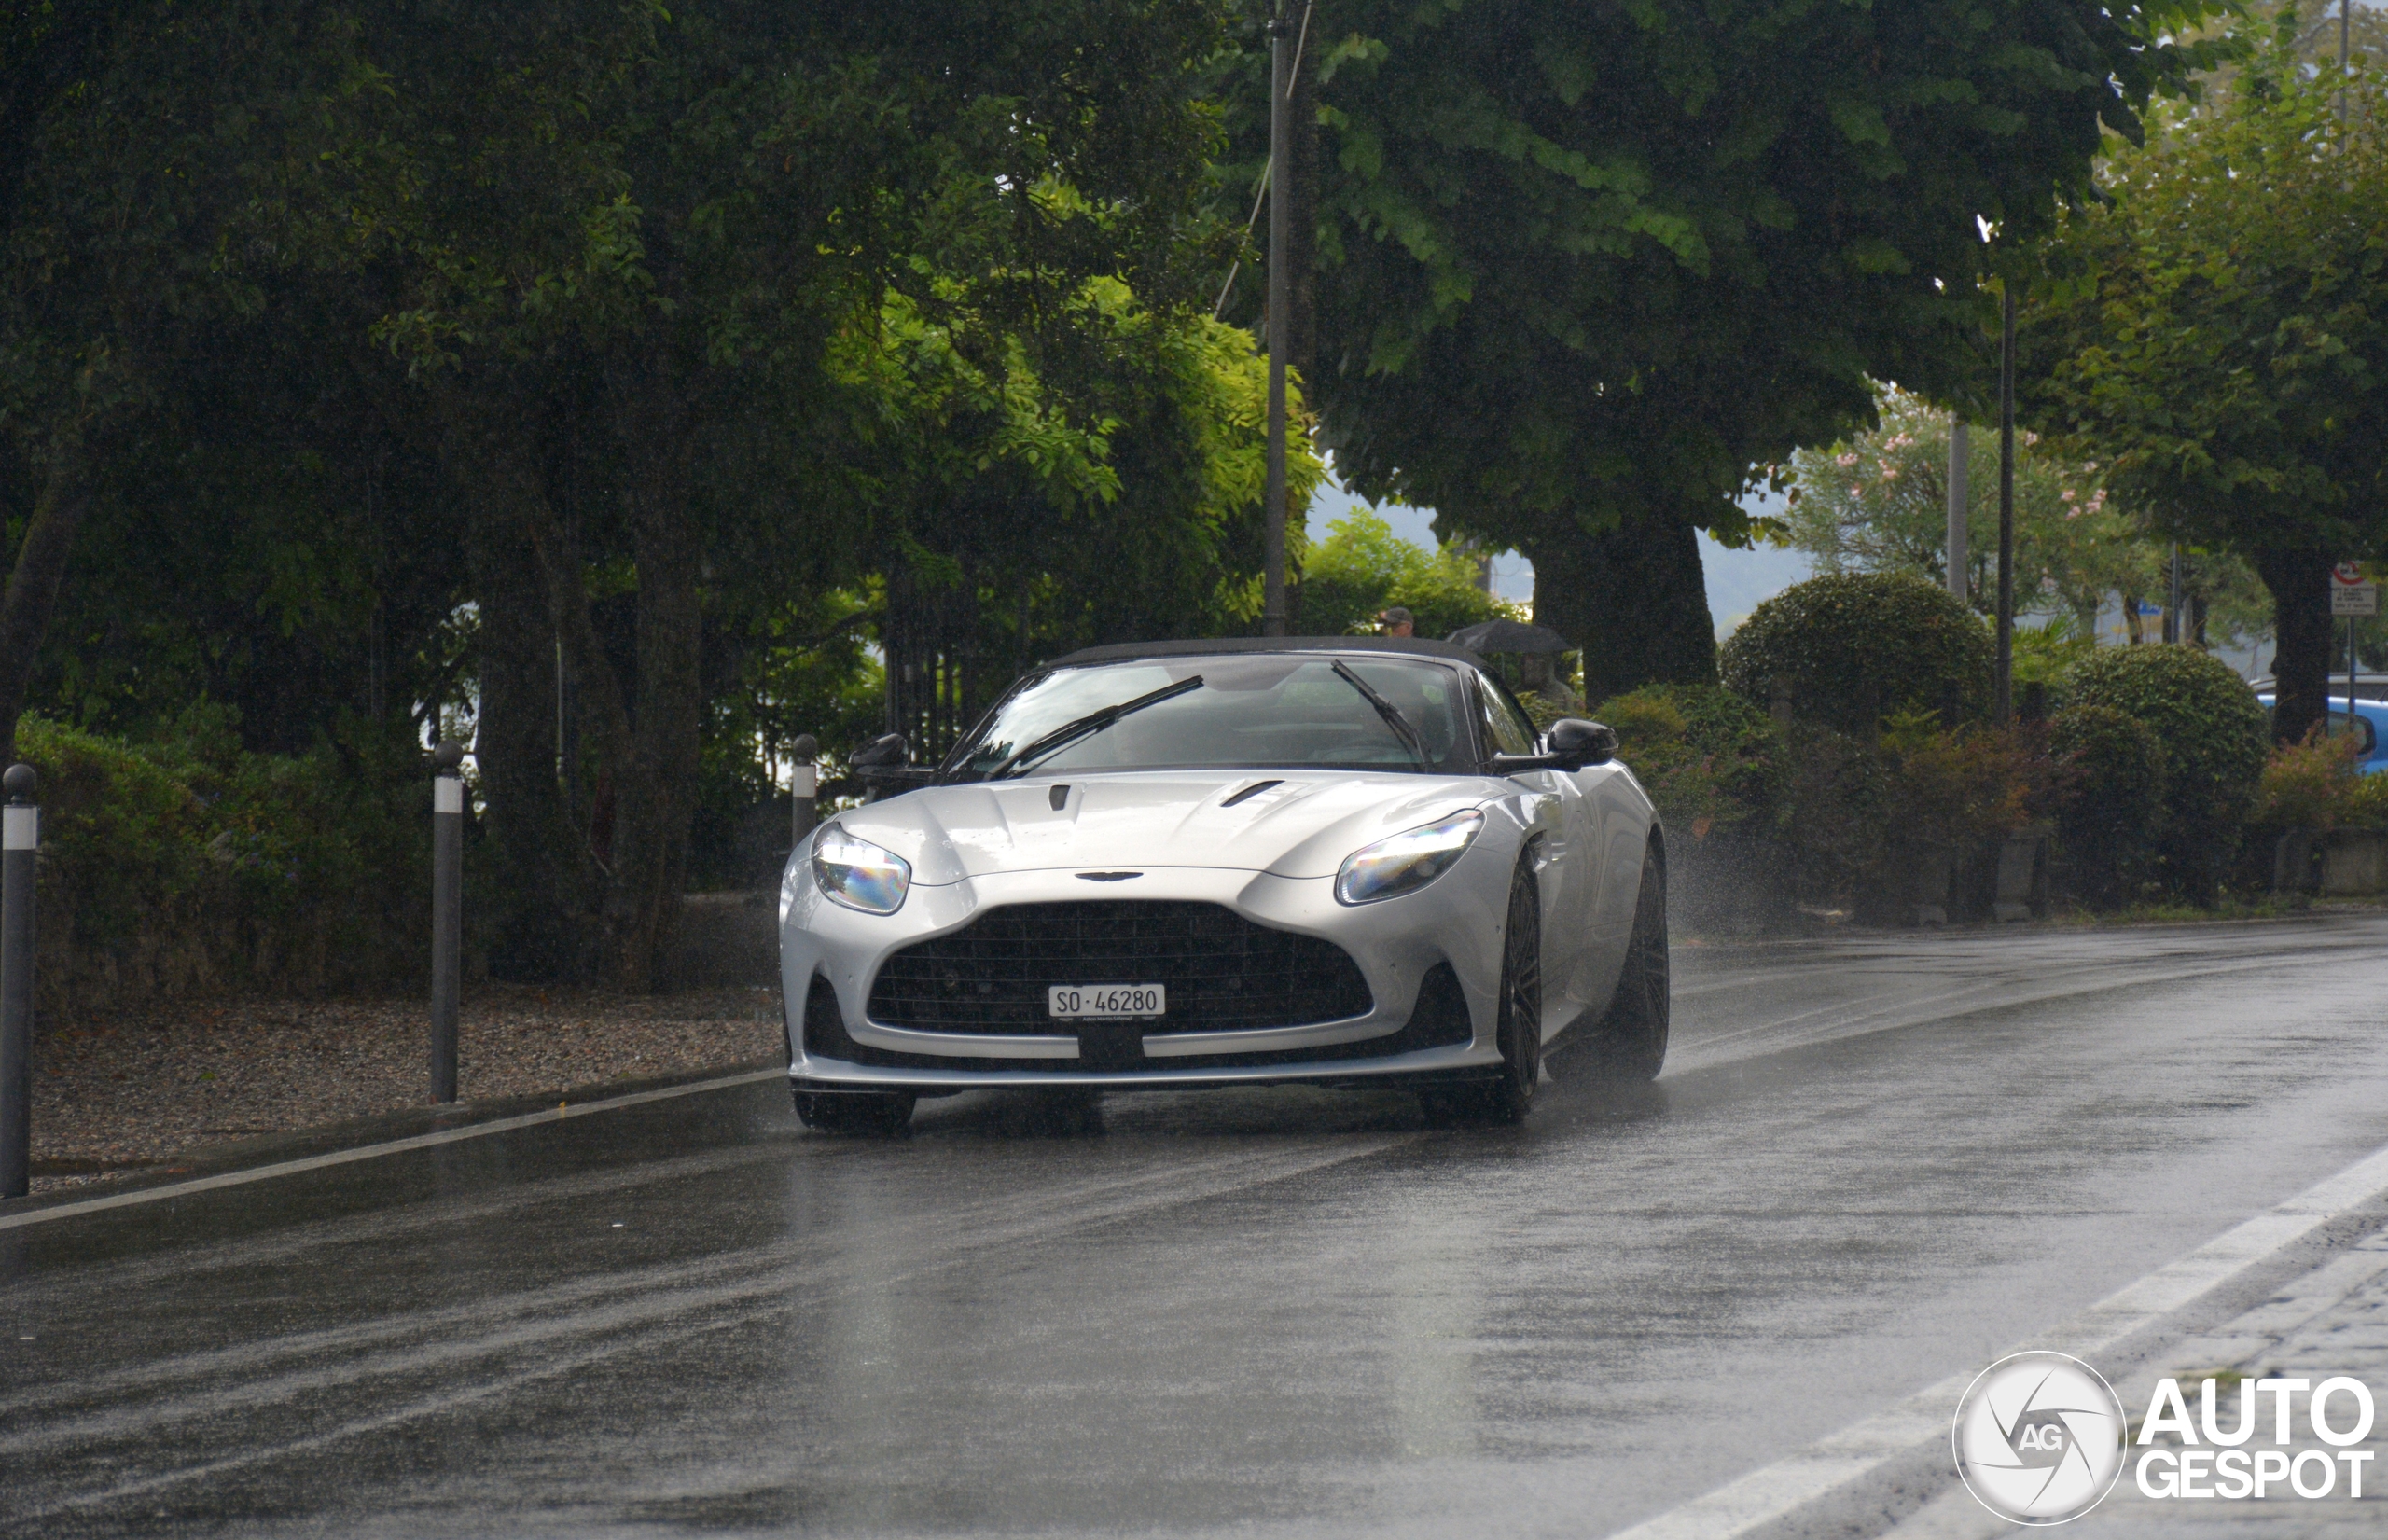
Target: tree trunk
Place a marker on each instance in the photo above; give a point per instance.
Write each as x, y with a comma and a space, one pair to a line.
1636, 601
655, 780
2300, 581
531, 834
41, 567
540, 881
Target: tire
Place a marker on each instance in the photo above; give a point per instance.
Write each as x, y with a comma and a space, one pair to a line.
1508, 1097
854, 1112
1632, 1044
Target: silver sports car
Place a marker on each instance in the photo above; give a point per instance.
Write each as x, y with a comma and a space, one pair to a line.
1345, 861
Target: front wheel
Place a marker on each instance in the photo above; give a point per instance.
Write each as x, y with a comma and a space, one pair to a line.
854, 1112
1508, 1097
1632, 1044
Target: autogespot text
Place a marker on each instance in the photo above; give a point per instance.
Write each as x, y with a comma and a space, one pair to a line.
2217, 1462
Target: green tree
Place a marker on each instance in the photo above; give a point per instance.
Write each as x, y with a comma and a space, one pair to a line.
156, 185
466, 335
1580, 267
635, 252
2214, 335
1877, 501
1362, 568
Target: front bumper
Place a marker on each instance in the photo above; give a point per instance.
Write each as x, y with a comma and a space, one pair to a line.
1464, 1062
1397, 945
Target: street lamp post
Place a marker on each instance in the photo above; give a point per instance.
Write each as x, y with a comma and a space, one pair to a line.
1280, 74
2002, 681
1960, 537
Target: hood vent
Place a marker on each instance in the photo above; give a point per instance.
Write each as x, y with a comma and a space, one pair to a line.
1253, 790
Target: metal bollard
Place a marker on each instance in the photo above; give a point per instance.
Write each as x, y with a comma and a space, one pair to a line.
447, 913
806, 784
19, 848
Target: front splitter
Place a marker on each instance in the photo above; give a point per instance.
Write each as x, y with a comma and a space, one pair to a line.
1460, 1061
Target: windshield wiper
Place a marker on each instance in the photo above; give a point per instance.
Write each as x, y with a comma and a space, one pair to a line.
1386, 709
1091, 723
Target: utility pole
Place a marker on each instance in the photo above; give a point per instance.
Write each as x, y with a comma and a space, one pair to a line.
2002, 681
1280, 225
1959, 538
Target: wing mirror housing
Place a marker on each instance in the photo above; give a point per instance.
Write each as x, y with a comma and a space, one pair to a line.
1577, 743
880, 754
881, 764
1571, 743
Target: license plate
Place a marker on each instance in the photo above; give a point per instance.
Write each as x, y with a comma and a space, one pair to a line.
1106, 1002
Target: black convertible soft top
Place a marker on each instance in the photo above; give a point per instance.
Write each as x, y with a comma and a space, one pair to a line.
1411, 647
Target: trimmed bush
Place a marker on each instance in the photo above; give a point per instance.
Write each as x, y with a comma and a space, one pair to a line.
2107, 824
1705, 756
2214, 740
1956, 789
1837, 811
188, 867
1854, 647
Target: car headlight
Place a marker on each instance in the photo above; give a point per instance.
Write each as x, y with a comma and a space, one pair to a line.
859, 874
1408, 861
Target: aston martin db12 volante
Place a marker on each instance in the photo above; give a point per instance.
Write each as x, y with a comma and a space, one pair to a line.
1344, 861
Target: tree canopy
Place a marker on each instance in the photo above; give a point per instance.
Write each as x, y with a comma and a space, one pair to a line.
600, 380
1877, 501
1362, 569
1581, 268
2214, 334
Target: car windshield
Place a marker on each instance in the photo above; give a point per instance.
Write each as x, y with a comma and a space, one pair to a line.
1257, 712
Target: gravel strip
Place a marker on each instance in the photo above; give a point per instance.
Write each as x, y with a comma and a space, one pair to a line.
133, 1088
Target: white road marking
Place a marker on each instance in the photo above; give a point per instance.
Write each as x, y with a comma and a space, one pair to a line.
1831, 1463
372, 1152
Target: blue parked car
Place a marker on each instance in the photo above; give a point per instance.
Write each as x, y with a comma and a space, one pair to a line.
2371, 727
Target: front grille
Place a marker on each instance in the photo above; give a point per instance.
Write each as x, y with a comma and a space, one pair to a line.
1223, 972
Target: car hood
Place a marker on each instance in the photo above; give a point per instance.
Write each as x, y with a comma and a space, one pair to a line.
1303, 826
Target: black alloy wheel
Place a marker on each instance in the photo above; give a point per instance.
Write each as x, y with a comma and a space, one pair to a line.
1632, 1044
854, 1112
1510, 1096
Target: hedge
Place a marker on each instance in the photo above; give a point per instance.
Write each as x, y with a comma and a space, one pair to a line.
188, 866
2215, 739
1855, 647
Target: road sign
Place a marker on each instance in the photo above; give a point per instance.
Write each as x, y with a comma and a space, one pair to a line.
2352, 590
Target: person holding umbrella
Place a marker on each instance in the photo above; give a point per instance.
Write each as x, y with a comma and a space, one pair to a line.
1537, 649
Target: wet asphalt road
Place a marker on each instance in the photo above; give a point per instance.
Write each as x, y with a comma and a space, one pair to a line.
1873, 1163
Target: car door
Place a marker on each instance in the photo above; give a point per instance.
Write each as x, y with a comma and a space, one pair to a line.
1572, 858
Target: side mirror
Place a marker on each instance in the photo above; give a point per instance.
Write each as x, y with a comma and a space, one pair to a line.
880, 766
1574, 743
884, 753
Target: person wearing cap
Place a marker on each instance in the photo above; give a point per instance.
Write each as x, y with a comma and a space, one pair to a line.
1397, 621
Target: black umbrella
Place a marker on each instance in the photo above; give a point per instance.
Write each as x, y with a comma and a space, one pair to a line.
1509, 636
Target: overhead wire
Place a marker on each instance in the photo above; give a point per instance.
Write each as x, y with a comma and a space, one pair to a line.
1260, 185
